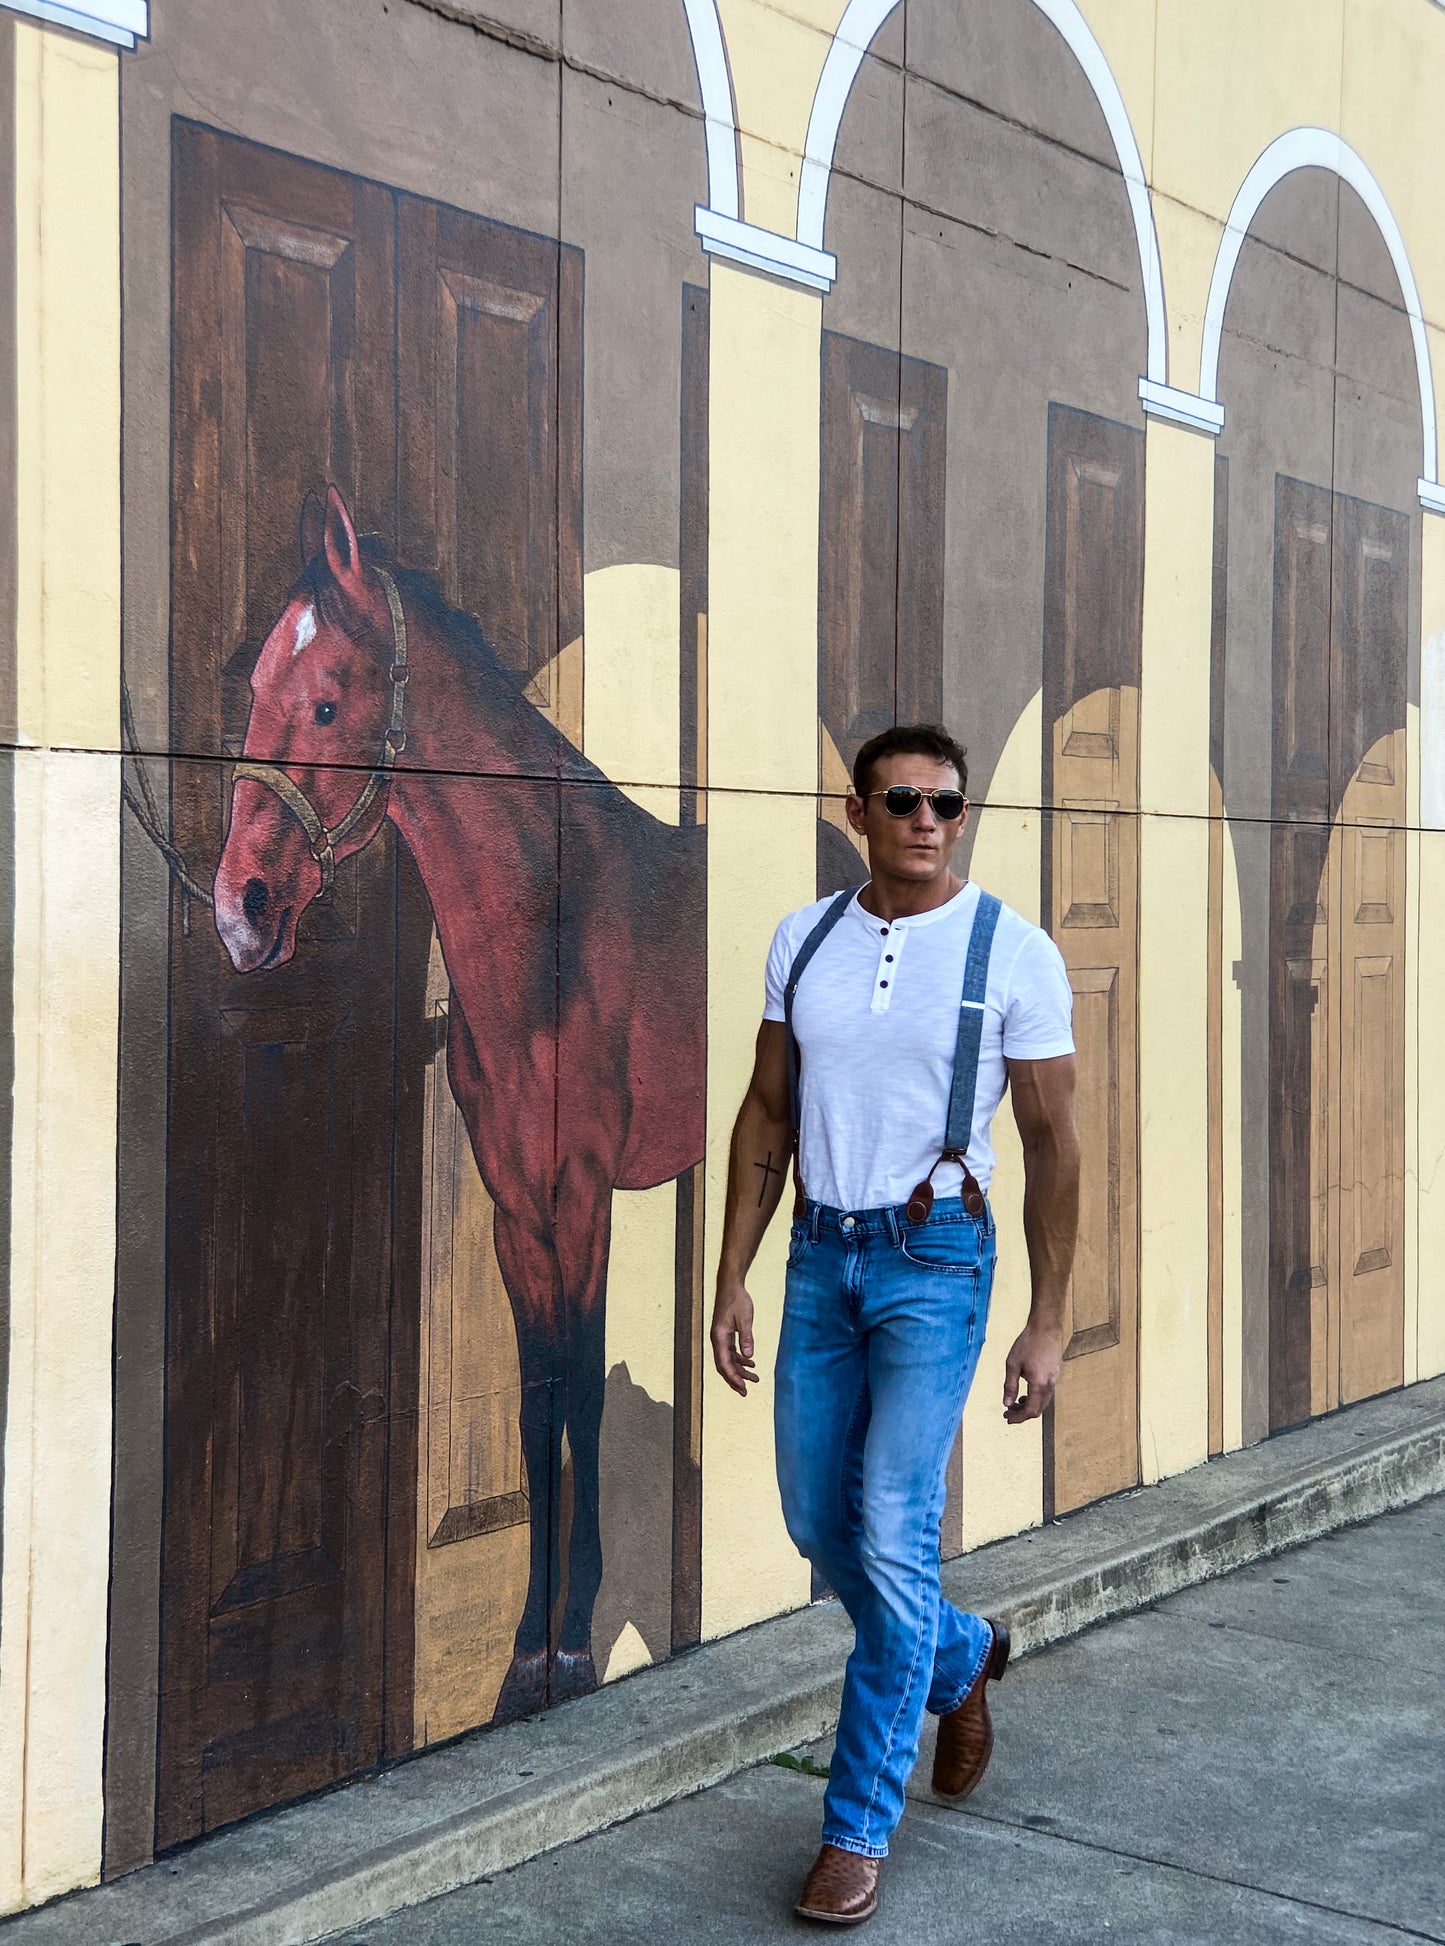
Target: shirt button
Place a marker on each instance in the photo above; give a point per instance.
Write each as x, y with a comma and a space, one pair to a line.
884, 931
889, 958
883, 983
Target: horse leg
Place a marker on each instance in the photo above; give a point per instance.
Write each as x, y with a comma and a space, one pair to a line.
529, 1270
584, 1235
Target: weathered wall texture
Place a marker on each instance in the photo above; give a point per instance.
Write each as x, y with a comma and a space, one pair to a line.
712, 382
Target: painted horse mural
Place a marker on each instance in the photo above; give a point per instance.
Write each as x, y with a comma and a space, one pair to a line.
576, 1042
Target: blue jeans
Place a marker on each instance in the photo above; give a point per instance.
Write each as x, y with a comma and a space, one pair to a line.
883, 1323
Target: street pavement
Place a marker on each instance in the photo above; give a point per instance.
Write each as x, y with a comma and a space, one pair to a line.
1261, 1758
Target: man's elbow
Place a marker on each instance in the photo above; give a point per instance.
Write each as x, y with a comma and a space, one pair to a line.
1051, 1145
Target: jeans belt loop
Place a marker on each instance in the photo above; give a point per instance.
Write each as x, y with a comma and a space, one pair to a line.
815, 1221
895, 1233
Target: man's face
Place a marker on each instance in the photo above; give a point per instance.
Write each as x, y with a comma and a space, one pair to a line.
920, 845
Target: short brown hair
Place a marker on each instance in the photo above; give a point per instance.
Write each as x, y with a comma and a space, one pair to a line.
909, 740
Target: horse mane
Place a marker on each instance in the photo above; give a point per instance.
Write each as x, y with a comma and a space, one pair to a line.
460, 633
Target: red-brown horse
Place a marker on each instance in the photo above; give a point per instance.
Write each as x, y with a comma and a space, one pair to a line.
572, 927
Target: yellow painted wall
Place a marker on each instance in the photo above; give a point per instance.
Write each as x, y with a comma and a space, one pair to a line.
630, 730
762, 811
776, 54
631, 681
1207, 87
1173, 952
1231, 1056
1428, 913
1003, 1465
67, 880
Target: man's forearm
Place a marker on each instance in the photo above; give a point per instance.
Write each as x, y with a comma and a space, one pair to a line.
758, 1164
1051, 1225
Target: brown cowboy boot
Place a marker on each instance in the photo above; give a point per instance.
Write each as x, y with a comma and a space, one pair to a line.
841, 1889
965, 1735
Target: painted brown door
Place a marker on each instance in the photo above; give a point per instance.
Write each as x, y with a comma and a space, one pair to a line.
1299, 970
881, 527
290, 1140
880, 567
489, 355
1337, 951
1093, 604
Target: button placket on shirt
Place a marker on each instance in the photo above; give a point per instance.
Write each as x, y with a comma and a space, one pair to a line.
891, 942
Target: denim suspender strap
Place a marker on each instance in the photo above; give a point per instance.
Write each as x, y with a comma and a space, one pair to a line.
970, 1025
795, 973
959, 1128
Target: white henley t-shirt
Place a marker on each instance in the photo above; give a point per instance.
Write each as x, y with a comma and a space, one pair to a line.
876, 1017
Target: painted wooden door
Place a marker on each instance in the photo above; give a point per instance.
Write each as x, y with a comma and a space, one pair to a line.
880, 566
489, 348
290, 1145
1337, 951
1300, 998
1370, 624
1094, 579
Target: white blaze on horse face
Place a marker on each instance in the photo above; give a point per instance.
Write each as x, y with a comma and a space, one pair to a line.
305, 630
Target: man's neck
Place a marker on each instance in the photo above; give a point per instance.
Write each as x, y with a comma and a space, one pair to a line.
905, 898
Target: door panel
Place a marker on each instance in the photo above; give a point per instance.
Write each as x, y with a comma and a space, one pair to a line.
1092, 620
881, 529
1214, 1033
489, 347
880, 567
1301, 997
489, 350
282, 1110
1337, 952
1372, 551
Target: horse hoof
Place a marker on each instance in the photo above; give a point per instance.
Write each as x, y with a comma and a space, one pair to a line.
524, 1688
573, 1674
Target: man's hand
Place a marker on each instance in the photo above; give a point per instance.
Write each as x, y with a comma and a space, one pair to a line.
732, 1339
1035, 1362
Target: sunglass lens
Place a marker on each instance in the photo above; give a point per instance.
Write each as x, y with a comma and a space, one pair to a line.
948, 805
901, 800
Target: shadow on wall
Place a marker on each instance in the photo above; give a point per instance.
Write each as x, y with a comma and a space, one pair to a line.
632, 1622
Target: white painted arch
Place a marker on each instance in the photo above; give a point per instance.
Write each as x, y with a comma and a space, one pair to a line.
856, 30
715, 84
718, 222
1321, 148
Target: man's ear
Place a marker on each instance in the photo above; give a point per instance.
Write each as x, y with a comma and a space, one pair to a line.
343, 550
857, 813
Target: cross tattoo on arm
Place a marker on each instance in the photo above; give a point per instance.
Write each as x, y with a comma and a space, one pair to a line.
769, 1171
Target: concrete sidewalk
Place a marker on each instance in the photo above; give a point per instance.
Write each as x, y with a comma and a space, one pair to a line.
1261, 1758
496, 1798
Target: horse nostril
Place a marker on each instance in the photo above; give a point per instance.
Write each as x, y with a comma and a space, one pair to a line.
254, 900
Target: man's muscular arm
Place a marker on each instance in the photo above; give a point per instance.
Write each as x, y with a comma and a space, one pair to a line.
757, 1171
1043, 1099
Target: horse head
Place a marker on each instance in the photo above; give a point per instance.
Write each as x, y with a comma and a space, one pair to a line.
325, 724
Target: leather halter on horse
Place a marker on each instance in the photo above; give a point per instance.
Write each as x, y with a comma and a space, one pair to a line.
272, 777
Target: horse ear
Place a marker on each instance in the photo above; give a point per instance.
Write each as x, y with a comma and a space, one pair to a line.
309, 526
343, 550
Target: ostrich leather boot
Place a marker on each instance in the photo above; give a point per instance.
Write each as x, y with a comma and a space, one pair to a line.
841, 1889
965, 1735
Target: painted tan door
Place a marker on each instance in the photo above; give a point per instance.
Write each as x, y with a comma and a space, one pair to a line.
1092, 622
1301, 999
1337, 1054
1371, 574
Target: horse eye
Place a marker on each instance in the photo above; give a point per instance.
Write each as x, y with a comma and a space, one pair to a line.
325, 713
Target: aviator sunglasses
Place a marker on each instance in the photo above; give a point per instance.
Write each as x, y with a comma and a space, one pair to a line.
902, 800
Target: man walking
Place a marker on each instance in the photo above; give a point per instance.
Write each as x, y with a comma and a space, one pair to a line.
895, 1017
